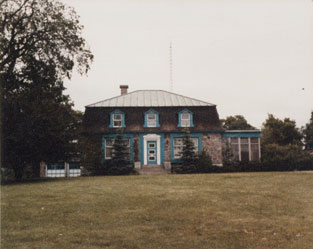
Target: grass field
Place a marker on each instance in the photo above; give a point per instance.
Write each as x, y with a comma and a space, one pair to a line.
240, 210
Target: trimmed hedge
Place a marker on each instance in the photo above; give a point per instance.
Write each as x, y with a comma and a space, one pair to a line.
114, 167
253, 167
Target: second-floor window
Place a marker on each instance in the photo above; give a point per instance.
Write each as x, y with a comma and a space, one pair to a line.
185, 118
117, 119
151, 119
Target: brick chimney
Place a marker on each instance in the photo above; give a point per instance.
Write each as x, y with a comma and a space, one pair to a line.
123, 89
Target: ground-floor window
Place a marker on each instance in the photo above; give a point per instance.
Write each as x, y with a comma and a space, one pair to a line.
244, 148
109, 151
178, 146
255, 148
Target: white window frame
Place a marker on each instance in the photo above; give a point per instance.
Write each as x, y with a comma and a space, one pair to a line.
151, 122
108, 146
185, 122
239, 143
114, 119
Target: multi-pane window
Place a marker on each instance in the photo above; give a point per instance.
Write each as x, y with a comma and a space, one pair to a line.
178, 146
151, 120
109, 152
234, 141
254, 145
244, 148
108, 148
185, 119
117, 119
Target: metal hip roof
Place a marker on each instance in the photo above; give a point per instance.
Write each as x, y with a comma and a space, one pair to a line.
146, 98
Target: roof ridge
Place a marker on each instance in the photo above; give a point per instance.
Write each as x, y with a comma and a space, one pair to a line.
111, 98
186, 96
152, 90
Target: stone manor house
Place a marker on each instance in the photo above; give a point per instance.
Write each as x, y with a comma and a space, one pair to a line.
153, 123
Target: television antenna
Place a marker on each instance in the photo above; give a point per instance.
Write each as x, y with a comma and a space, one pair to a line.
171, 66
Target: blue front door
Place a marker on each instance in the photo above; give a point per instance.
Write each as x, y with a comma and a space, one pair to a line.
152, 152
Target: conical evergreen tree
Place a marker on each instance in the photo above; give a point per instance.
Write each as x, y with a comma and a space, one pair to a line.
188, 153
120, 149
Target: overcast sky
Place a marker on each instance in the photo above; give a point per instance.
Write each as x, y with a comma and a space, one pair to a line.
249, 57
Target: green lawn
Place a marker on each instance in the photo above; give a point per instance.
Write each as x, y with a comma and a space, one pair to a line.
240, 210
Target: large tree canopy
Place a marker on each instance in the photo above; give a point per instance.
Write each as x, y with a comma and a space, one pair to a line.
41, 43
282, 146
43, 31
236, 122
281, 132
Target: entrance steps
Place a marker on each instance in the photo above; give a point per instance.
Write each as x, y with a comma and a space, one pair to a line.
153, 169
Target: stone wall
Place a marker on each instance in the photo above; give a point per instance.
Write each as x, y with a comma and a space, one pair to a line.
136, 148
167, 147
212, 143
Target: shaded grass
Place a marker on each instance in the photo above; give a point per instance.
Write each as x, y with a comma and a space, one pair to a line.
240, 210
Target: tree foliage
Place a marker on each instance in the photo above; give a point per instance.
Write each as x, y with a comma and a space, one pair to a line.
282, 145
188, 154
236, 122
281, 132
204, 163
308, 134
120, 149
91, 152
40, 31
41, 43
286, 157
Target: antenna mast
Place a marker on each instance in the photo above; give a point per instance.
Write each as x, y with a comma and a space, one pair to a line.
171, 67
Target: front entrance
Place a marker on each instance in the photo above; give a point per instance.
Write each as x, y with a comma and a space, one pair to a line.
151, 152
152, 149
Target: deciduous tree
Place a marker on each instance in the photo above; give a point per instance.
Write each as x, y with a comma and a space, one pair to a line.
281, 132
41, 43
236, 122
